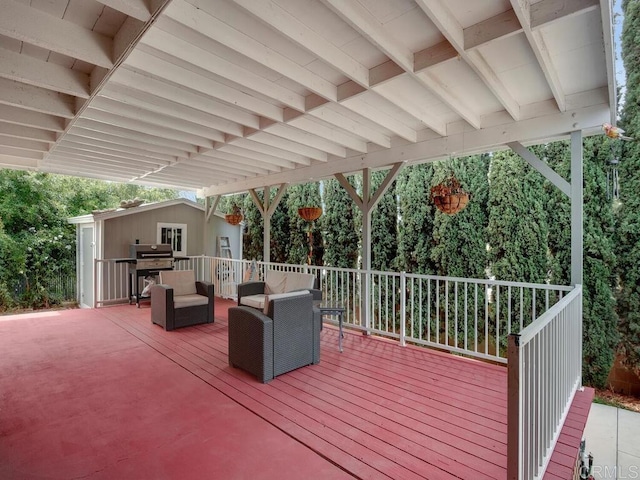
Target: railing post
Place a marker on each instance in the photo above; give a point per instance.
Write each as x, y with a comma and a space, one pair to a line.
513, 408
403, 308
95, 283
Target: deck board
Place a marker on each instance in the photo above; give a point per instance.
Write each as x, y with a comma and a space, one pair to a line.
377, 410
383, 404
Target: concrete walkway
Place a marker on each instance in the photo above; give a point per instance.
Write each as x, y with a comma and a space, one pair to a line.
613, 438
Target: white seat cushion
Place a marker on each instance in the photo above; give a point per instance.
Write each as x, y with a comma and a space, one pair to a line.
193, 300
254, 301
183, 282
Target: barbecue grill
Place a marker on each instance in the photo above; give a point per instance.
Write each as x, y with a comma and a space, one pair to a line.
147, 260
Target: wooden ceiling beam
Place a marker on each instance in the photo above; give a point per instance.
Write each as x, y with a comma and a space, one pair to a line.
115, 139
140, 81
31, 71
365, 23
36, 27
138, 9
37, 99
27, 118
546, 12
541, 52
132, 113
155, 104
443, 18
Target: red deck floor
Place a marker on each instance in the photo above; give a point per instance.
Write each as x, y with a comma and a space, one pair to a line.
106, 394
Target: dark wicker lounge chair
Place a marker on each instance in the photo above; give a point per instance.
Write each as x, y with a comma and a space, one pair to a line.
286, 338
180, 301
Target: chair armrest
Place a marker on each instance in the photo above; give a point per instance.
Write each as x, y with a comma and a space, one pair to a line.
162, 311
207, 289
317, 294
251, 342
204, 288
250, 288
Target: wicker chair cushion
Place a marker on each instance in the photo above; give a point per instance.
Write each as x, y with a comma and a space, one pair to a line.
299, 281
183, 282
275, 296
255, 301
276, 282
193, 300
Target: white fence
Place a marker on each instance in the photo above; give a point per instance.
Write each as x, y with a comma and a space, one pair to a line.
545, 370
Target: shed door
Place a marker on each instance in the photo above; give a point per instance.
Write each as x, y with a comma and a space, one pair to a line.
86, 266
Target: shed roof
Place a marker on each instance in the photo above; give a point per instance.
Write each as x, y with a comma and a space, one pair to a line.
145, 207
224, 95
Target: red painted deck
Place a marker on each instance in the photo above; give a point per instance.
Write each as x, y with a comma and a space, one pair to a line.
106, 394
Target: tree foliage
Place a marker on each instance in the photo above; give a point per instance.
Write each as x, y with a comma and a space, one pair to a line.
384, 226
339, 226
37, 244
459, 241
416, 219
518, 226
628, 216
600, 334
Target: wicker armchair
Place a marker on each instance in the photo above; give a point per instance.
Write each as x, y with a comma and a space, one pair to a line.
285, 338
180, 301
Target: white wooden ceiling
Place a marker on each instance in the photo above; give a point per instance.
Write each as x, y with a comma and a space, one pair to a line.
224, 95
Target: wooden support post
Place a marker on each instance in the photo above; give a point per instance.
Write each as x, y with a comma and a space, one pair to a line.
576, 208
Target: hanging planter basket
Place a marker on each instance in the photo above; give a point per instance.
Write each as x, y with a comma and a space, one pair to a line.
449, 197
310, 213
235, 217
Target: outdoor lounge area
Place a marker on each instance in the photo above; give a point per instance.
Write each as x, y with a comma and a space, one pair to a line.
104, 393
222, 97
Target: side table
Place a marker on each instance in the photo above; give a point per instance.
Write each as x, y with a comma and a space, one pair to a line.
331, 309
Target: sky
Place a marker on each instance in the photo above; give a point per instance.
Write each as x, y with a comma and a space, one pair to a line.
617, 44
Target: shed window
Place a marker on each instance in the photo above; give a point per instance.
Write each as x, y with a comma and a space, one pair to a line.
175, 234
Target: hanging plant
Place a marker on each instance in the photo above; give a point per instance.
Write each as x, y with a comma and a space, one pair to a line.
449, 197
235, 217
310, 213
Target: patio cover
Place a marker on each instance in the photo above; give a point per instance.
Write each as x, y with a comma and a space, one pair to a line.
223, 96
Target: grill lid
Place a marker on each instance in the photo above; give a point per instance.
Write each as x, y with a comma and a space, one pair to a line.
161, 250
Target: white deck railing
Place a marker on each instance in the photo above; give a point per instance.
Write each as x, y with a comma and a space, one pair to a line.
468, 316
545, 370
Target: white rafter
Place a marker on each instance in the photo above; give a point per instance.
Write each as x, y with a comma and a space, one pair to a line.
366, 24
440, 15
50, 76
134, 8
541, 51
46, 31
36, 99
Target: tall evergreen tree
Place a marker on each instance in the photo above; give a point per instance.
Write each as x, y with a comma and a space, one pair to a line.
416, 213
460, 240
280, 230
599, 318
628, 216
253, 239
384, 226
518, 226
341, 238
